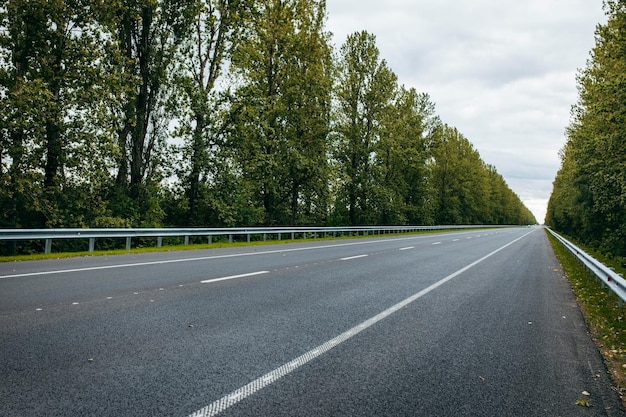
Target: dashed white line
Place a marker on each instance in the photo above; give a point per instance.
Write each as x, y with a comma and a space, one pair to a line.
407, 248
208, 281
206, 258
436, 243
349, 258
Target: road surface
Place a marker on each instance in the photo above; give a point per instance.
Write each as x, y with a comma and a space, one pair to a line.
472, 323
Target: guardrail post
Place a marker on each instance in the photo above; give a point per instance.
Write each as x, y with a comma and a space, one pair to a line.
264, 237
186, 240
248, 237
159, 241
48, 246
92, 244
230, 238
210, 239
293, 236
280, 235
128, 243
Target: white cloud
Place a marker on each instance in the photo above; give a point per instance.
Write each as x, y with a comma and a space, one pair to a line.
502, 72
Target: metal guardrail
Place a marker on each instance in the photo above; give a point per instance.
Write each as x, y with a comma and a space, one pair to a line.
609, 278
48, 235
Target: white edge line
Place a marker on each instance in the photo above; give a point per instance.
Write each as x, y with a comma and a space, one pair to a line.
250, 274
238, 395
349, 258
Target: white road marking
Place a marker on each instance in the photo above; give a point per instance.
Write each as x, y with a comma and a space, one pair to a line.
206, 258
236, 396
455, 240
437, 243
349, 258
407, 248
208, 281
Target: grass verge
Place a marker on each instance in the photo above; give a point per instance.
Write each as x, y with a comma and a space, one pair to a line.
605, 319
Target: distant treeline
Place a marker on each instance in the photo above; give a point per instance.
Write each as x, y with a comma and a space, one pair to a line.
588, 201
221, 113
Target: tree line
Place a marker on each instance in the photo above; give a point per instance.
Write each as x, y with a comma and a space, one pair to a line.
588, 200
119, 113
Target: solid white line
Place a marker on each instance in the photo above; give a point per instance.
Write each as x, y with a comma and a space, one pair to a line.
250, 274
206, 258
236, 396
349, 258
407, 248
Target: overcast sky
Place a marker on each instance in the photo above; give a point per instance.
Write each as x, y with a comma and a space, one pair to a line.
503, 72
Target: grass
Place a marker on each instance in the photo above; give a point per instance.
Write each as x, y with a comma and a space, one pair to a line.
605, 319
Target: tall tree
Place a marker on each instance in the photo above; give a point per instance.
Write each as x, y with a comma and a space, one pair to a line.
365, 89
214, 31
147, 34
282, 107
402, 156
465, 189
307, 96
589, 195
50, 75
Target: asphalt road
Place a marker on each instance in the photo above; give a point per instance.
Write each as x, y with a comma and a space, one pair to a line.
477, 323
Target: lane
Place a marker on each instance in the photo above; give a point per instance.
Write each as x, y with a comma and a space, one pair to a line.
32, 285
84, 264
506, 338
175, 349
242, 393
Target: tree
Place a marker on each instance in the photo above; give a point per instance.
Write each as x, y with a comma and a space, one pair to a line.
468, 191
214, 31
589, 195
281, 109
147, 34
51, 52
307, 96
364, 91
401, 157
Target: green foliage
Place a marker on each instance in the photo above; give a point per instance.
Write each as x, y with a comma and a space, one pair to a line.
589, 195
226, 113
282, 110
365, 89
466, 190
